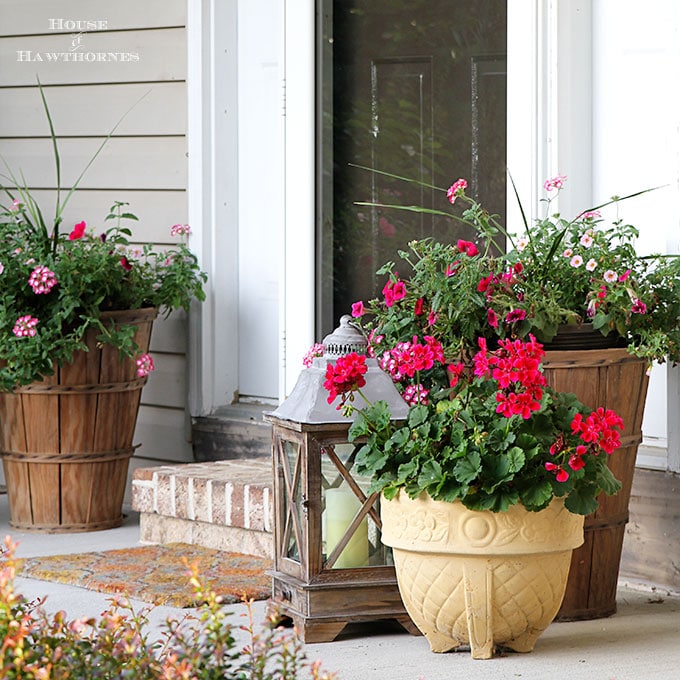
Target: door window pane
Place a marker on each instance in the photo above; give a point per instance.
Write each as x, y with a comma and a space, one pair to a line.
415, 88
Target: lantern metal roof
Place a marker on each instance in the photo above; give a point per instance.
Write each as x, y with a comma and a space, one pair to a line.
308, 402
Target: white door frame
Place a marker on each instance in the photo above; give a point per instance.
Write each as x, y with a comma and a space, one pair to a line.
212, 75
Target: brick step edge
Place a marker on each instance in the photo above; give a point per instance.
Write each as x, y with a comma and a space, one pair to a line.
231, 493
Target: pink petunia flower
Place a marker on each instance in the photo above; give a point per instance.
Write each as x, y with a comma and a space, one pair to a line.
638, 307
78, 231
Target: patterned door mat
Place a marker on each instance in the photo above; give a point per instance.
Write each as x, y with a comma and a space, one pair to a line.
157, 574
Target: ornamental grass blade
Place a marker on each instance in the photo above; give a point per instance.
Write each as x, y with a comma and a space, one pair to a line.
389, 174
61, 205
618, 199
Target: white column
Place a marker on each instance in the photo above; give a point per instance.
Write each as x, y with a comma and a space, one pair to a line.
298, 260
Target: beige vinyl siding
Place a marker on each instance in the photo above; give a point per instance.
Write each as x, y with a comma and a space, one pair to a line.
136, 64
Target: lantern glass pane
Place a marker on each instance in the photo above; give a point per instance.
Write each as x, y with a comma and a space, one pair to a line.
292, 501
342, 501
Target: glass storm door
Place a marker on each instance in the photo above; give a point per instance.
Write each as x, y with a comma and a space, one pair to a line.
414, 88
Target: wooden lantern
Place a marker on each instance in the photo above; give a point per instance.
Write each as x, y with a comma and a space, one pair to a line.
330, 567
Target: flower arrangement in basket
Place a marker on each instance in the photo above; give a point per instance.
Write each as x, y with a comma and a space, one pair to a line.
556, 272
57, 281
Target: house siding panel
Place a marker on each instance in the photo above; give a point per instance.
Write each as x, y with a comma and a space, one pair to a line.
119, 15
156, 111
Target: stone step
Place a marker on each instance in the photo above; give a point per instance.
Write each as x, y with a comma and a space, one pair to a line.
226, 505
232, 432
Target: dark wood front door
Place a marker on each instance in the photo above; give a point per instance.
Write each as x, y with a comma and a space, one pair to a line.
415, 88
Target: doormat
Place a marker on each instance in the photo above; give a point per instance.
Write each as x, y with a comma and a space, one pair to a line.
156, 573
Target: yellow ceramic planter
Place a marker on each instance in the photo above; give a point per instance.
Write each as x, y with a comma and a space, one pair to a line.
482, 579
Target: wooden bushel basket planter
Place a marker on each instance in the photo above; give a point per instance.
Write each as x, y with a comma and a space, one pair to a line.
613, 379
66, 442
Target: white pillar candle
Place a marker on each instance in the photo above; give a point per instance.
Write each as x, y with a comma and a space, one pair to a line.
341, 508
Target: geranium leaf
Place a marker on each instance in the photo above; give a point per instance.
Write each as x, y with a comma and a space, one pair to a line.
516, 459
582, 500
430, 474
537, 496
417, 415
467, 469
607, 482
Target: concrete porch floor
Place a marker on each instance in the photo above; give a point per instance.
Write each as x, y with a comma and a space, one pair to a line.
641, 641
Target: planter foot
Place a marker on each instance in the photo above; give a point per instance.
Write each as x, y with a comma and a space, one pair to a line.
478, 579
524, 643
441, 643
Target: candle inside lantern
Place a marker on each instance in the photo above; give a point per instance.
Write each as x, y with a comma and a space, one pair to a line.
341, 508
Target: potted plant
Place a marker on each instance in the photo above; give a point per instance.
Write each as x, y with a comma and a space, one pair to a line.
76, 308
484, 486
604, 311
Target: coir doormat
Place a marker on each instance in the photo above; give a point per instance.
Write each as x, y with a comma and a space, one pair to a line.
157, 573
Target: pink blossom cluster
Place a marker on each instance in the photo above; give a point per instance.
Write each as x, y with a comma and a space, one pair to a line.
416, 394
599, 428
42, 280
316, 350
408, 358
515, 366
144, 365
180, 230
25, 326
556, 182
455, 189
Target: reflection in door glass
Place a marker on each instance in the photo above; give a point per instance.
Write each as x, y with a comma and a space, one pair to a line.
415, 88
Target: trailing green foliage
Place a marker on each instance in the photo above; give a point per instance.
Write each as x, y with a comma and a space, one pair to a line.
118, 643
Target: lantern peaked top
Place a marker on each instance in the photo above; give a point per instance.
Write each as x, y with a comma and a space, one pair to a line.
308, 402
346, 338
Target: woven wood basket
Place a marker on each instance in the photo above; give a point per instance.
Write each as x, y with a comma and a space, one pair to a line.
66, 441
614, 379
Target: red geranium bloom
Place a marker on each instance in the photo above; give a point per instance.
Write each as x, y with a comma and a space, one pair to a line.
346, 375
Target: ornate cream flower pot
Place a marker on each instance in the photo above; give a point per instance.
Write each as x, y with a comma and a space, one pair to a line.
480, 578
